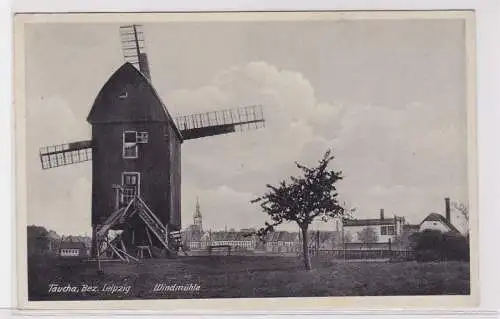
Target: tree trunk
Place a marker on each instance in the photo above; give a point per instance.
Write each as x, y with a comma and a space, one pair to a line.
305, 248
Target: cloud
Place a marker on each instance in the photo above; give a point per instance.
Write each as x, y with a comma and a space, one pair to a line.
404, 159
65, 208
58, 198
56, 121
289, 109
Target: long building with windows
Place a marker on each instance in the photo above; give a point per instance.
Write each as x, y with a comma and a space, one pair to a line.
375, 233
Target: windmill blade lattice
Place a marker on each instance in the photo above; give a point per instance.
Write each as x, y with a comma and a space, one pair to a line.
65, 154
148, 167
220, 122
134, 48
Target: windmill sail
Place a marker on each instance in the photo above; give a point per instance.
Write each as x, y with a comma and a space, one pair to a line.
133, 46
65, 154
220, 122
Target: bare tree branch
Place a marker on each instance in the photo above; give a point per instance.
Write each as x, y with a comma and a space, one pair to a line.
463, 209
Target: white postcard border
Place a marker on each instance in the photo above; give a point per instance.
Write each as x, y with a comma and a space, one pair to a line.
324, 303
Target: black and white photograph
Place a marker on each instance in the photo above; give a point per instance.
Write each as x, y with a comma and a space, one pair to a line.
246, 155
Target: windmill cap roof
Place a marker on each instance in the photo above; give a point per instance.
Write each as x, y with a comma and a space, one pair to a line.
128, 96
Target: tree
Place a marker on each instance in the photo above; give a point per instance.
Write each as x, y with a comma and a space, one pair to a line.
405, 240
368, 236
434, 245
463, 209
302, 199
38, 240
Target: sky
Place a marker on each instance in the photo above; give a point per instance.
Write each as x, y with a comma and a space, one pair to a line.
388, 96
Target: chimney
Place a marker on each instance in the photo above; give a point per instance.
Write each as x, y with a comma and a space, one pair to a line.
447, 208
381, 214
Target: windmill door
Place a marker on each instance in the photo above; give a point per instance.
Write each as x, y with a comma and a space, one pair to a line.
131, 186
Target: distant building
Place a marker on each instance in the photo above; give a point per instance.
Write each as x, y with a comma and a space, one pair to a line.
376, 233
85, 240
235, 239
248, 230
195, 238
72, 249
197, 218
435, 221
53, 241
284, 242
193, 234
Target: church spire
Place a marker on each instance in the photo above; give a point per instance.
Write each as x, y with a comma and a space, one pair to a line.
197, 216
197, 213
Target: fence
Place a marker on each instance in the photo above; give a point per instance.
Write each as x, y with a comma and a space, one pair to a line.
224, 250
363, 254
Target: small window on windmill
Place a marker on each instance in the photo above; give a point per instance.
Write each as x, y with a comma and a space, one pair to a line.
130, 144
130, 136
142, 137
123, 94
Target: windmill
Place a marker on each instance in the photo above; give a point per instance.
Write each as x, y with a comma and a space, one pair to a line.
135, 151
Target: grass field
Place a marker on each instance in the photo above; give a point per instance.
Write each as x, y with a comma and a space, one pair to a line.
248, 276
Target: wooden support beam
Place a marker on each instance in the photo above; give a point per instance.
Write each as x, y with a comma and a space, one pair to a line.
149, 236
116, 251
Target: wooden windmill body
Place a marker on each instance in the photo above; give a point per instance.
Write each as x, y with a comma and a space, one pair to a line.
136, 156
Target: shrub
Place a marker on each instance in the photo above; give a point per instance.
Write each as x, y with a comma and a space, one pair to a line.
432, 245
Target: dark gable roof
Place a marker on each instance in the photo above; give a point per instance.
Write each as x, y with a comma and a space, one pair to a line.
368, 222
440, 218
142, 102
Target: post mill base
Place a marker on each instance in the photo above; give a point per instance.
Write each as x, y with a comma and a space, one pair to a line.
138, 228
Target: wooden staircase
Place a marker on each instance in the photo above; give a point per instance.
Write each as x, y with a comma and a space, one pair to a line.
154, 224
169, 240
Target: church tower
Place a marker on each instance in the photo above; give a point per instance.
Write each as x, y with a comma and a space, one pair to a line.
197, 219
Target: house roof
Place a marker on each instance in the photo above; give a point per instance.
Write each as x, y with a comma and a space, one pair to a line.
229, 236
139, 102
439, 218
368, 222
72, 245
286, 236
